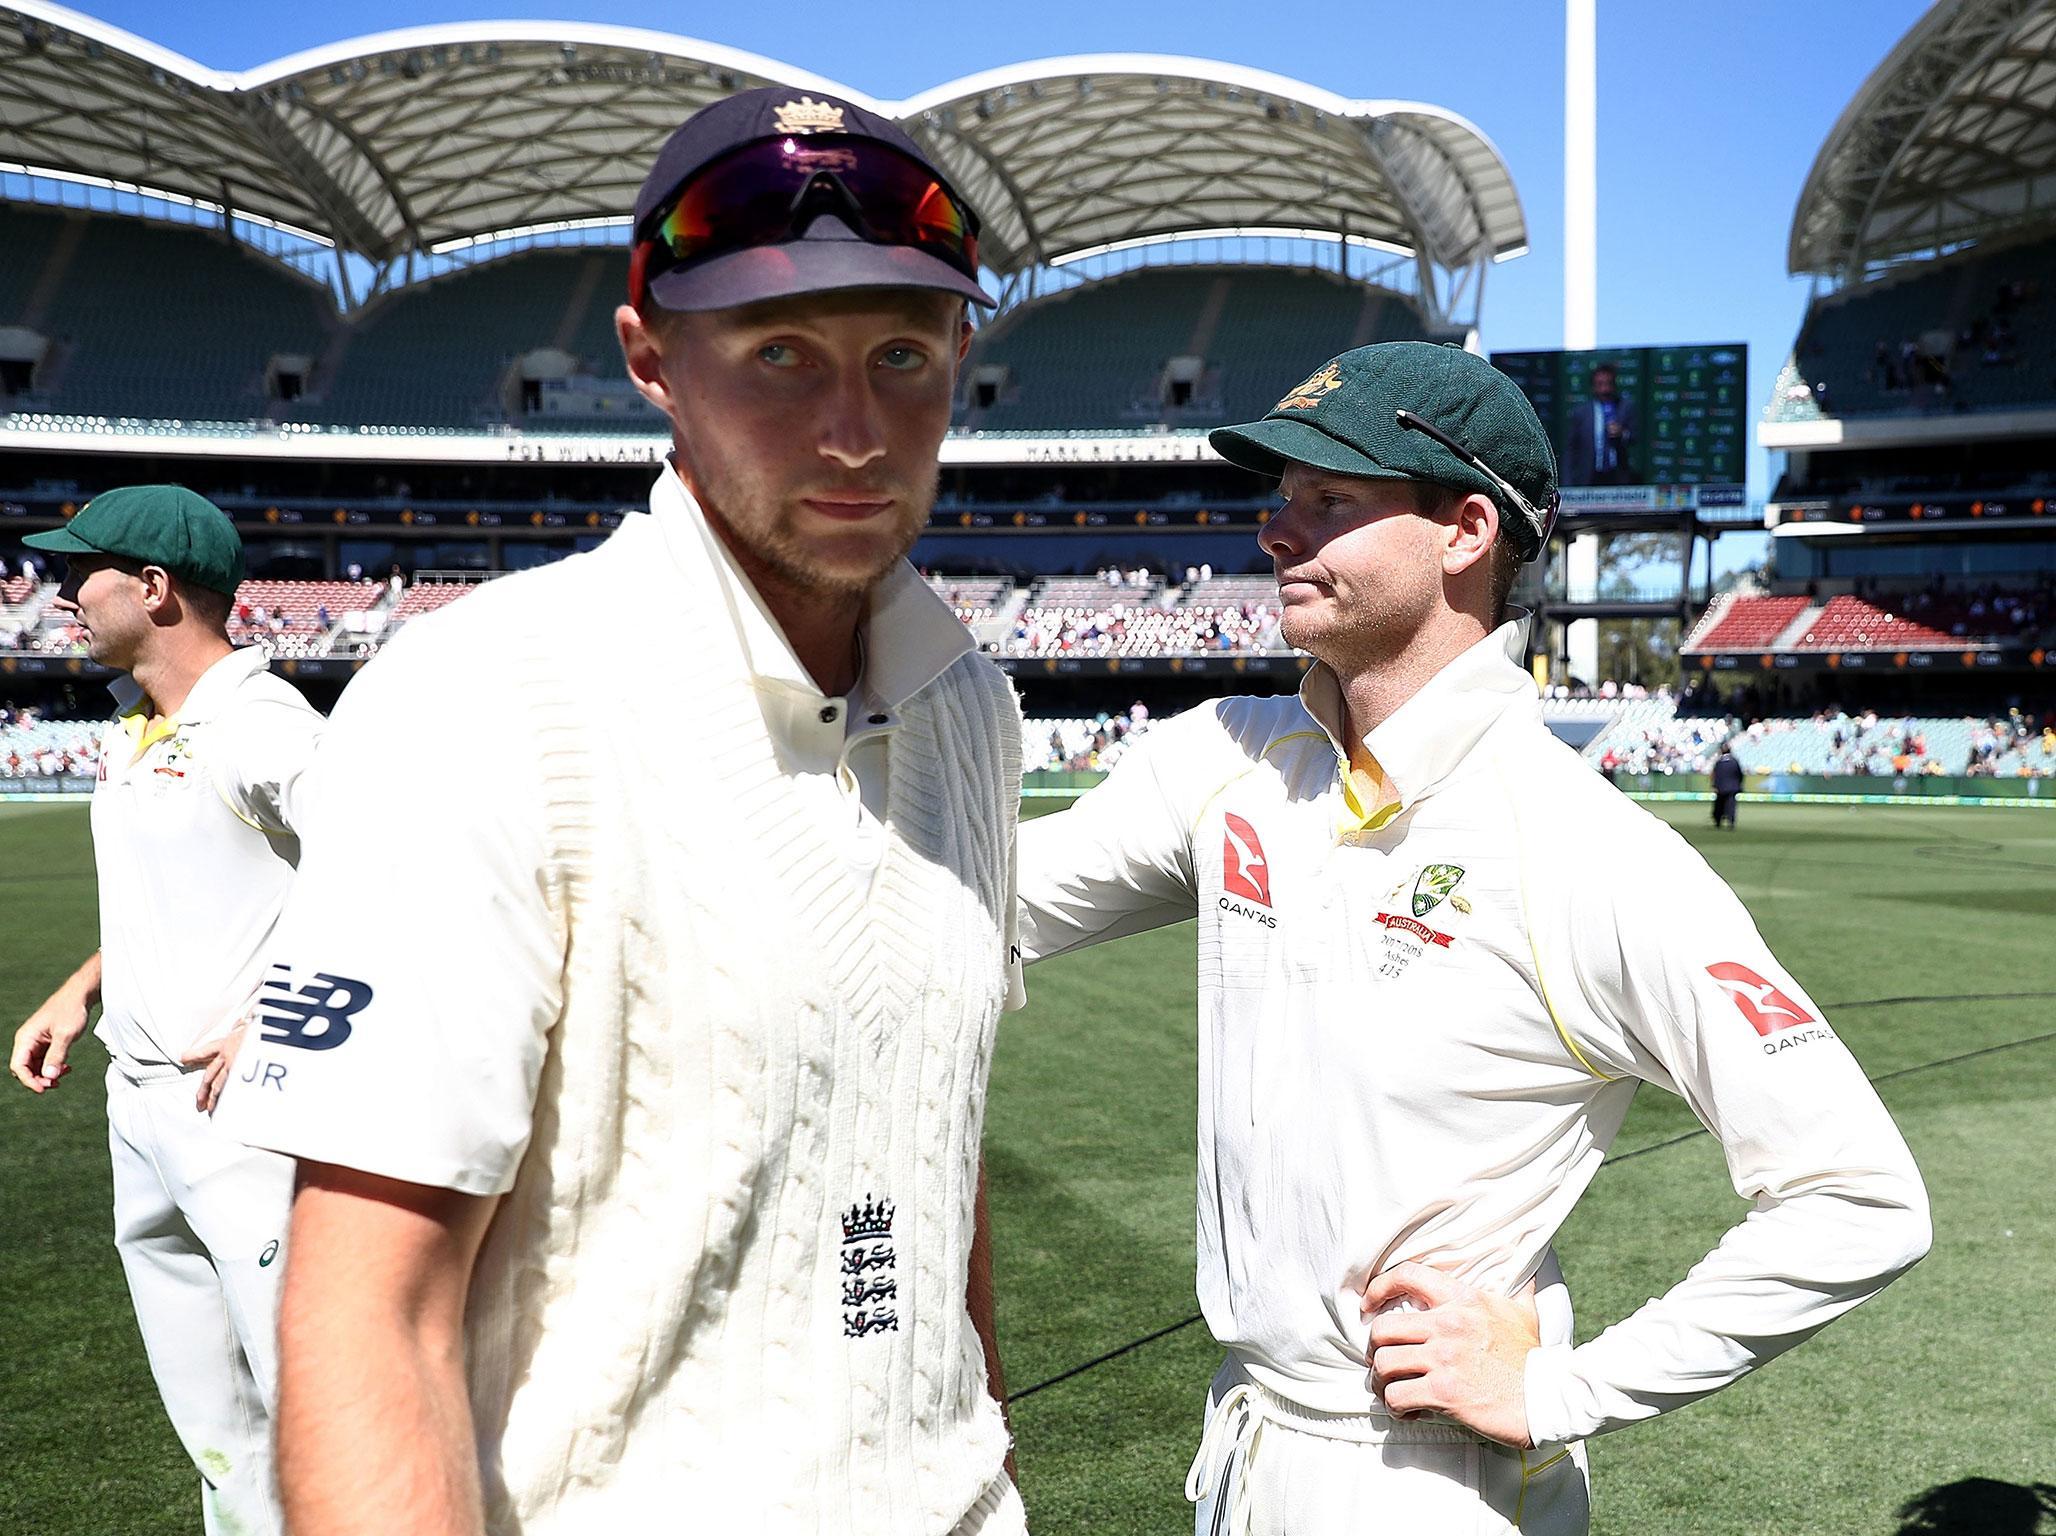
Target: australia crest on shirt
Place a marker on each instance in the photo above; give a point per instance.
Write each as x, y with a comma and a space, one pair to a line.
175, 757
1416, 916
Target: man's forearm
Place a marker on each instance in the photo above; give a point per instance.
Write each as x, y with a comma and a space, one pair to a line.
84, 983
374, 1423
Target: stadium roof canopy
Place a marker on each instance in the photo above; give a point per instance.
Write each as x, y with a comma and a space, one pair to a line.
435, 137
1951, 139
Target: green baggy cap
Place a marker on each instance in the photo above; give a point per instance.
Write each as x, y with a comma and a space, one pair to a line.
165, 525
1345, 419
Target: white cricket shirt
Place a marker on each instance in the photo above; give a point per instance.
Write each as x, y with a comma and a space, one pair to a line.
193, 839
1420, 1029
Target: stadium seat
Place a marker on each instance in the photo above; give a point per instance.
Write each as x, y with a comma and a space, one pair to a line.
49, 748
1971, 331
287, 616
1743, 623
1095, 356
437, 354
1851, 624
153, 320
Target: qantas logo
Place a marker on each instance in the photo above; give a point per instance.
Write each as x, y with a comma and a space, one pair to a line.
1762, 1004
1244, 870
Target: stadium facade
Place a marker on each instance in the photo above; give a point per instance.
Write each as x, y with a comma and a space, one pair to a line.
363, 298
1914, 522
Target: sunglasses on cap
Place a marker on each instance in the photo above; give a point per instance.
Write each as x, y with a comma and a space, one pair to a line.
1539, 522
769, 192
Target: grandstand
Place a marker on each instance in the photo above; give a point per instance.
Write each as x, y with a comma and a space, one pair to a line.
1968, 332
976, 599
35, 748
1171, 346
121, 317
394, 350
1917, 412
438, 590
302, 618
1738, 623
1928, 619
21, 605
462, 410
1660, 736
488, 310
1080, 743
455, 352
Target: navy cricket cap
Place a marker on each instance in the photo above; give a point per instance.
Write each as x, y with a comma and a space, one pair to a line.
824, 252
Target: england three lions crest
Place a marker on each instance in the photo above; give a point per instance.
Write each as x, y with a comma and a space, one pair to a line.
868, 1267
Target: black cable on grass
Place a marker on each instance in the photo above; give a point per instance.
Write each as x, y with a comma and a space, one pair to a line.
1882, 1077
1112, 1354
1657, 1146
1959, 997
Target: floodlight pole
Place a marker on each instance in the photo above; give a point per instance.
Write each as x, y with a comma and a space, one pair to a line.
1581, 277
1581, 175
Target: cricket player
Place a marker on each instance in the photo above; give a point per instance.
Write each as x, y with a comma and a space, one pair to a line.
639, 1120
1437, 952
194, 824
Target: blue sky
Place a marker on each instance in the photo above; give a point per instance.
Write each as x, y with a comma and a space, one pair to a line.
1709, 115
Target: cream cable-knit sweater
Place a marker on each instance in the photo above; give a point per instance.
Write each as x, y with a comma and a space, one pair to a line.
729, 1095
691, 1301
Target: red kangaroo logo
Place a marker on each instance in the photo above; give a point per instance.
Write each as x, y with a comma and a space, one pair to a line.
1762, 1004
1244, 870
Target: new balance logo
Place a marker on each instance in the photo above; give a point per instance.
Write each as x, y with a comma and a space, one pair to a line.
1245, 871
315, 1017
1762, 1004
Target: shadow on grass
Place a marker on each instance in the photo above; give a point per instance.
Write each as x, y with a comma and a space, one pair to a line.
1980, 1506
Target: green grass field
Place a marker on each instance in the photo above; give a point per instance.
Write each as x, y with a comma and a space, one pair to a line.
1927, 933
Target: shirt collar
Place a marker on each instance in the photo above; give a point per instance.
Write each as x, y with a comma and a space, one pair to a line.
1427, 738
210, 690
909, 635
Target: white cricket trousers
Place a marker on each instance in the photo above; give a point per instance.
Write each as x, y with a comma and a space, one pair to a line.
200, 1223
1268, 1467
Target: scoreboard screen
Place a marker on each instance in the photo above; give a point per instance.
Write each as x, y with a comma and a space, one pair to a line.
1629, 418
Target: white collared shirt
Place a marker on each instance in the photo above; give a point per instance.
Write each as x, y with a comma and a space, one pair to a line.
193, 838
833, 747
1420, 1029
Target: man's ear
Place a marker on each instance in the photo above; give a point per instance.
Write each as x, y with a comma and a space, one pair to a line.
642, 353
157, 595
1471, 532
964, 337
